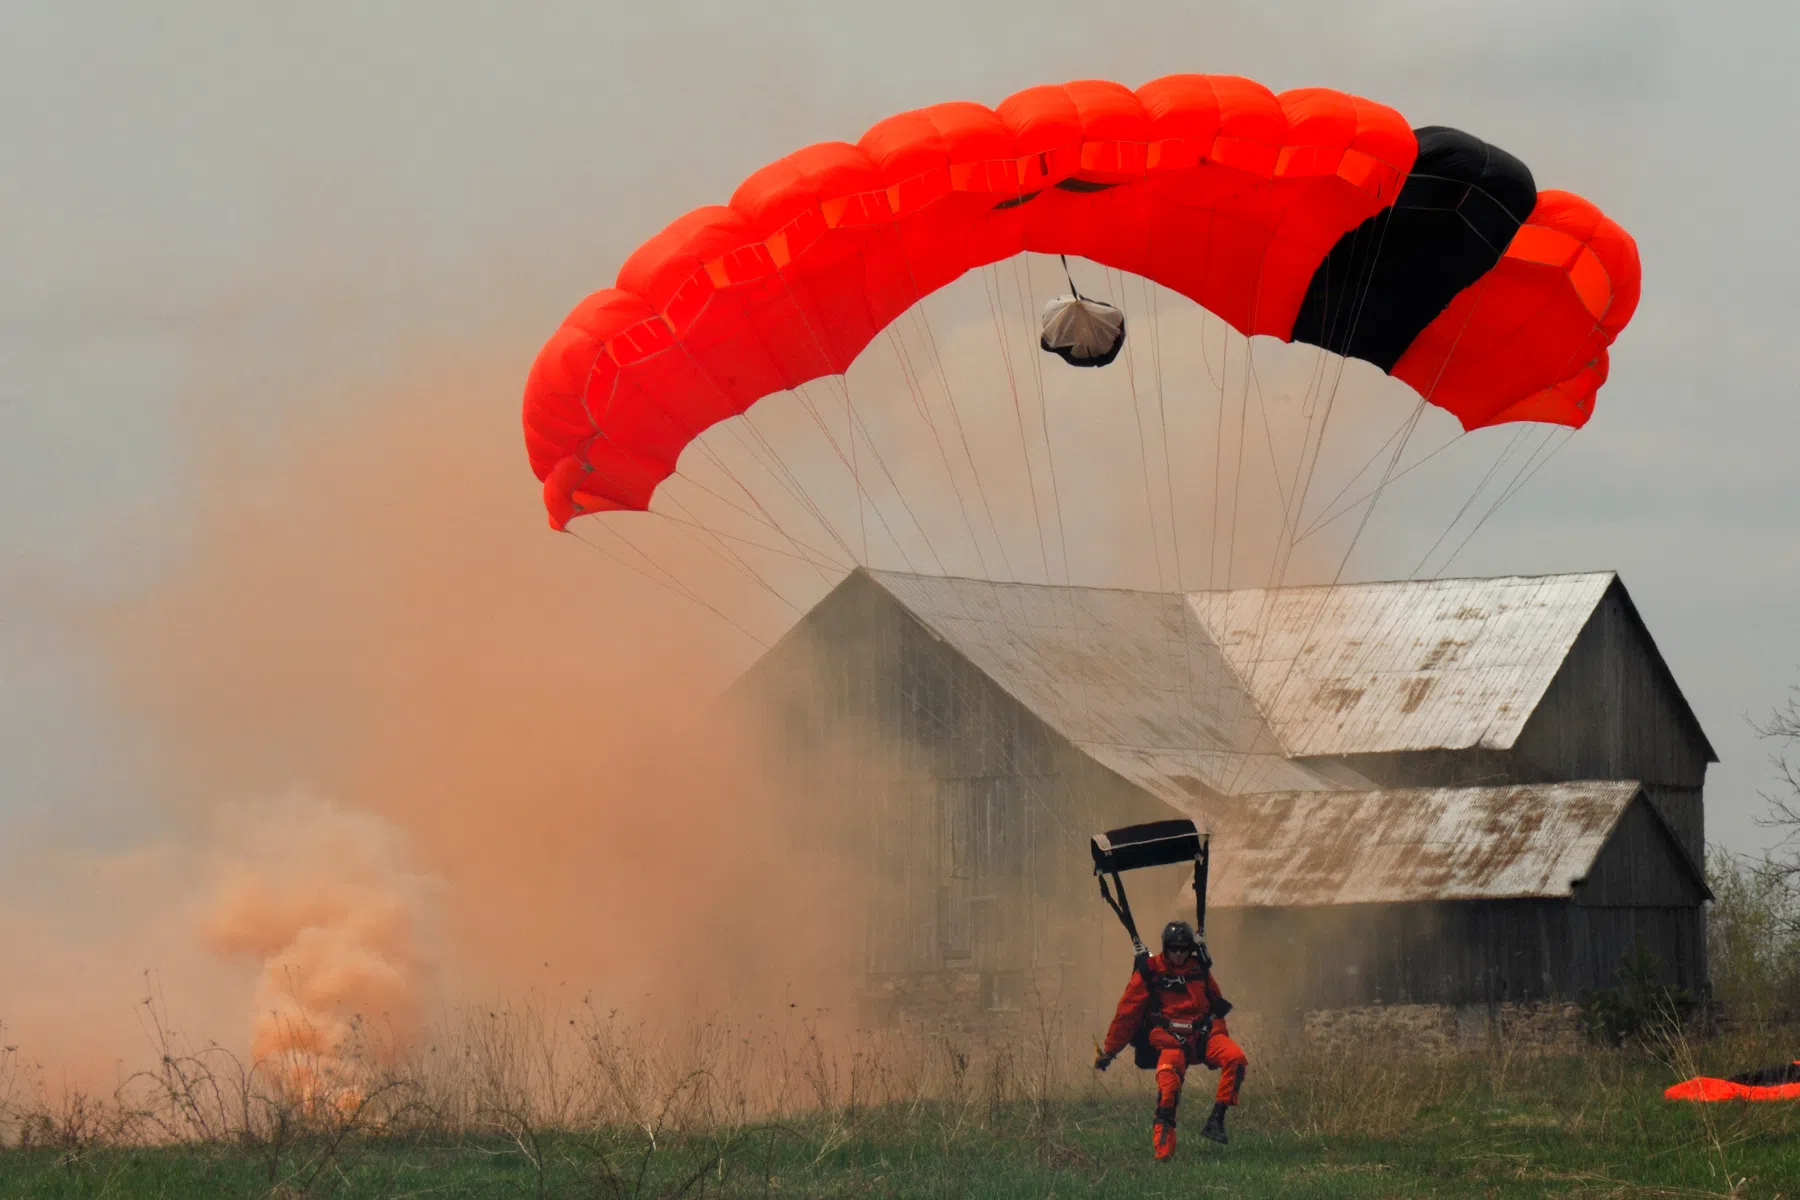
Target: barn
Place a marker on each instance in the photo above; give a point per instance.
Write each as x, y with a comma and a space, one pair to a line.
1449, 793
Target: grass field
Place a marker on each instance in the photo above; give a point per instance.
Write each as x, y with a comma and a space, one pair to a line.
1333, 1126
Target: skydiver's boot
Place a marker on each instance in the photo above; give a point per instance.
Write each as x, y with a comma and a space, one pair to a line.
1215, 1125
1162, 1134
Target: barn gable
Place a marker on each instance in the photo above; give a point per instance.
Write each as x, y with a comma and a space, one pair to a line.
1615, 711
1384, 668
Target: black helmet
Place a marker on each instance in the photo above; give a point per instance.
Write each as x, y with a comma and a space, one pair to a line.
1179, 935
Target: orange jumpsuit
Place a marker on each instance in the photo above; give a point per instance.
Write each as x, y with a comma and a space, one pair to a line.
1183, 996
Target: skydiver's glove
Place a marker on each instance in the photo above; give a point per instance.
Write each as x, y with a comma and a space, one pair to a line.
1102, 1061
1221, 1006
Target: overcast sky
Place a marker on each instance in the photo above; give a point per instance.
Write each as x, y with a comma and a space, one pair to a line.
259, 194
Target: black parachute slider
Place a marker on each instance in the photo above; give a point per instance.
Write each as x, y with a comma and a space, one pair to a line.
1153, 844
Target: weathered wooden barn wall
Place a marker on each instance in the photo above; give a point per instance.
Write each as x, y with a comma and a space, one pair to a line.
1458, 953
1614, 712
965, 817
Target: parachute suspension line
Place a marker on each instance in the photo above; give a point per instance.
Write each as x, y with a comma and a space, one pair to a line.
996, 303
1212, 549
997, 310
707, 375
862, 515
722, 551
677, 586
1185, 618
1205, 358
937, 360
1324, 520
1282, 559
915, 381
1331, 513
1262, 409
1022, 287
863, 491
1568, 433
849, 461
1237, 492
1237, 474
725, 554
1137, 413
1070, 276
760, 517
1374, 497
1182, 631
795, 488
813, 553
1520, 478
922, 405
1162, 421
843, 383
1325, 601
1506, 452
899, 494
693, 523
810, 407
1357, 303
911, 375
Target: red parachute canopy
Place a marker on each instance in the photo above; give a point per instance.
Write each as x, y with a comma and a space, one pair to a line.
1212, 186
1779, 1082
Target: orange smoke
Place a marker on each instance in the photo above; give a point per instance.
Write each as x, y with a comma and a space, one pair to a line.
375, 611
363, 601
330, 906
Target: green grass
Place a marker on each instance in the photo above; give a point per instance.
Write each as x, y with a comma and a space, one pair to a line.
1589, 1126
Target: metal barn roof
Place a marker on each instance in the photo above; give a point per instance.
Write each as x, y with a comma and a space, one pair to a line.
1411, 844
1381, 667
1221, 691
1129, 677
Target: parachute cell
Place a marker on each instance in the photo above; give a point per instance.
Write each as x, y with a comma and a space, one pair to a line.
1312, 215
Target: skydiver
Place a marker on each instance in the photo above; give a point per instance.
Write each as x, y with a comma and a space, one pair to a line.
1173, 998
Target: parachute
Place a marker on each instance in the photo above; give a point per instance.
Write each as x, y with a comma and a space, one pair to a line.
1780, 1081
1311, 216
1082, 332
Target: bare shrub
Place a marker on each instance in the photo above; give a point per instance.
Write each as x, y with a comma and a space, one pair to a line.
1753, 939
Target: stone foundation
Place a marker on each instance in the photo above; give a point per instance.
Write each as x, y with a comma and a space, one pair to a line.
1443, 1030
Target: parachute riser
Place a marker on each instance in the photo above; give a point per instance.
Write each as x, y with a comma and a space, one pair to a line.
1155, 844
1202, 865
1122, 909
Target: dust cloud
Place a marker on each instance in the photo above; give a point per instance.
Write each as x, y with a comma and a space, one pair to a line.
519, 778
327, 902
380, 612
